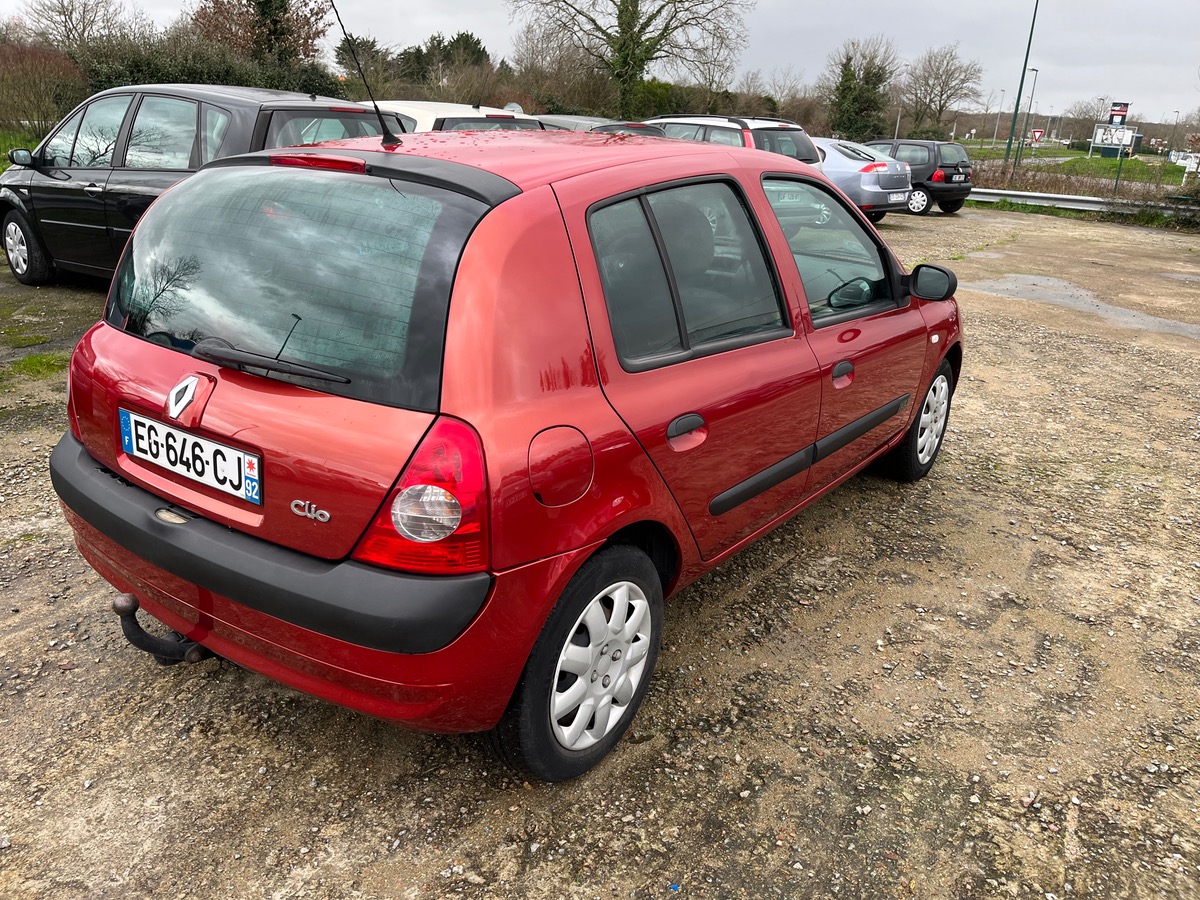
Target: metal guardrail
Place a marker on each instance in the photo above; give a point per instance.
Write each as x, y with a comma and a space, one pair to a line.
1076, 201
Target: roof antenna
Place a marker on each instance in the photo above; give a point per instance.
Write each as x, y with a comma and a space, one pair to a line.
388, 139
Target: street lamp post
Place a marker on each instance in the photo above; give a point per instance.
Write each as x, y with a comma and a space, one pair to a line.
1171, 142
1028, 110
999, 112
1021, 86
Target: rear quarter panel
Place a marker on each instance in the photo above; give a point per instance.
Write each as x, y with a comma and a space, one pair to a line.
519, 361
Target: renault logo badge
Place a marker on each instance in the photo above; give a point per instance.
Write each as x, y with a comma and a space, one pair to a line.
181, 395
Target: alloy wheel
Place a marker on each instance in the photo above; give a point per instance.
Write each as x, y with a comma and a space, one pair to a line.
15, 248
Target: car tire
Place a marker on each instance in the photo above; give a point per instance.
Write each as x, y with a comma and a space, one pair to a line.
912, 459
875, 217
951, 206
603, 633
26, 257
918, 201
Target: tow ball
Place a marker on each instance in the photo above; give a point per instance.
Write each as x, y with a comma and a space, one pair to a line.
167, 652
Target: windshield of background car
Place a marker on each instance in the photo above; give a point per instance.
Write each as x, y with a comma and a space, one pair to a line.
952, 154
346, 273
294, 127
791, 142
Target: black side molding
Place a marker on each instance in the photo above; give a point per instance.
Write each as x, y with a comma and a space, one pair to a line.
803, 459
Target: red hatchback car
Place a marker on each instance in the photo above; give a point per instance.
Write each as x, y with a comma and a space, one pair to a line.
431, 430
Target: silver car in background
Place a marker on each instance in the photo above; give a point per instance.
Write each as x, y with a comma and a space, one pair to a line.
876, 183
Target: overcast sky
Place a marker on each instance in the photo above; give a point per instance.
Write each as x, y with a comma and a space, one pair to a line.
1147, 54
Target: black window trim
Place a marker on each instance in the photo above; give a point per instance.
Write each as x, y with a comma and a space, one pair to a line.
901, 299
127, 132
708, 348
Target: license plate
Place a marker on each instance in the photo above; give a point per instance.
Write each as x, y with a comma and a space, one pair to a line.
217, 465
897, 198
958, 177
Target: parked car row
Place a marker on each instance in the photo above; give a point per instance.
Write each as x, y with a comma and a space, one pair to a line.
71, 204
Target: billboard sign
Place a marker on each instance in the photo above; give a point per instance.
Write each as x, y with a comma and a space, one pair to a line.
1118, 114
1108, 136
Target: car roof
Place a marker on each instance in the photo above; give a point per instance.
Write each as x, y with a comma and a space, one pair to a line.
441, 110
232, 94
529, 159
574, 120
751, 122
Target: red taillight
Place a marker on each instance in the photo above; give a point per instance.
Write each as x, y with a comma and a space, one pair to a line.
874, 167
435, 520
938, 175
320, 161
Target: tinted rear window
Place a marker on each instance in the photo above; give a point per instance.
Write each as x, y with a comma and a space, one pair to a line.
350, 274
953, 153
791, 142
295, 127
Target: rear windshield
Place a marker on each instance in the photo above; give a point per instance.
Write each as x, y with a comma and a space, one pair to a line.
953, 153
349, 274
791, 142
860, 153
294, 127
489, 123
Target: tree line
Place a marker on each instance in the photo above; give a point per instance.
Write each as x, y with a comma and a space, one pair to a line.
623, 58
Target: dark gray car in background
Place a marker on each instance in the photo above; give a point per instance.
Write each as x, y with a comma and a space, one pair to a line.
941, 172
72, 203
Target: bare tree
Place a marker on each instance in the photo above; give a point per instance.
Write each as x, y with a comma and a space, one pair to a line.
34, 83
712, 67
553, 71
625, 37
876, 53
294, 27
73, 24
936, 81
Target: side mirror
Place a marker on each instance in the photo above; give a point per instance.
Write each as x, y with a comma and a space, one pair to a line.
20, 157
930, 282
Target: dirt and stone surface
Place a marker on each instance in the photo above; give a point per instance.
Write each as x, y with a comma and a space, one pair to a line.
981, 685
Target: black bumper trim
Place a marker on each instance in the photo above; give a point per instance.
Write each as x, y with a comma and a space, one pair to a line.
384, 610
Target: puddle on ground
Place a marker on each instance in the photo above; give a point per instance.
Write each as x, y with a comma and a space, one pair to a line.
1072, 296
1179, 276
985, 254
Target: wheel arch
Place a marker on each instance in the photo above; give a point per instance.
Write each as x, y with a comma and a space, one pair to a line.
954, 356
656, 541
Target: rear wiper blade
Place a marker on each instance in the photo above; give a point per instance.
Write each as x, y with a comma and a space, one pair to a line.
220, 351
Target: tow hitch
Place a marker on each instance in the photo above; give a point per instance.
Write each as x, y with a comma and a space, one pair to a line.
167, 652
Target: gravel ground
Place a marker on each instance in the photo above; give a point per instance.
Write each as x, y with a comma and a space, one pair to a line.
980, 685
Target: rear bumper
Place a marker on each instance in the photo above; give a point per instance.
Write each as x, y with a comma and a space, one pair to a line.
437, 654
361, 604
942, 190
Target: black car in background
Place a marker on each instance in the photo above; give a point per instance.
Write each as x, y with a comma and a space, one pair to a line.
72, 203
941, 172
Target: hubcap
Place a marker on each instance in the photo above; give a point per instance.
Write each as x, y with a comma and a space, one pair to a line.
14, 246
917, 201
933, 419
600, 666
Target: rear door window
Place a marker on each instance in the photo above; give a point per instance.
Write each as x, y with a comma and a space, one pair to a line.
913, 154
349, 274
793, 142
715, 289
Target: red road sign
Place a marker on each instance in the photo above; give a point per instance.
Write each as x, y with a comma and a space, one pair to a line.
1037, 134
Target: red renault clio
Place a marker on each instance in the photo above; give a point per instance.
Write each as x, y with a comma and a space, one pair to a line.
431, 429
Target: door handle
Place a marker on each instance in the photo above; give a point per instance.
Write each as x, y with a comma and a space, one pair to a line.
685, 424
842, 369
93, 190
